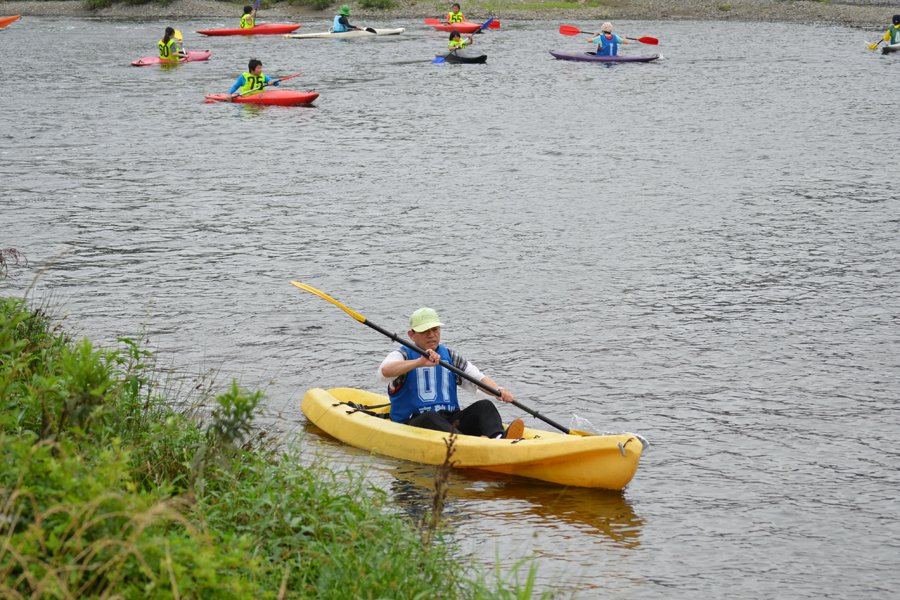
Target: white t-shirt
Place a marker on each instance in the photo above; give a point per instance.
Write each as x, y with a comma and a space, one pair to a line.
471, 370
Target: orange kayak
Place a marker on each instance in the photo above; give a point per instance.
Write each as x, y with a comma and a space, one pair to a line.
4, 21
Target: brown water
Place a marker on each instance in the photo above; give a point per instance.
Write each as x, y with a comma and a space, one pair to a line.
702, 250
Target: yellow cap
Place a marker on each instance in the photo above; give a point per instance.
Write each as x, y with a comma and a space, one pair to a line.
424, 319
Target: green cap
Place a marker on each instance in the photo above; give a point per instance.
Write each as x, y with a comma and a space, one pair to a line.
345, 10
424, 319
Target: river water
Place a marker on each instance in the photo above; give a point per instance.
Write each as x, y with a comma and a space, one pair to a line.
703, 250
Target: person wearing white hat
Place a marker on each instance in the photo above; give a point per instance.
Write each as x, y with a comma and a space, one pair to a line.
423, 393
607, 42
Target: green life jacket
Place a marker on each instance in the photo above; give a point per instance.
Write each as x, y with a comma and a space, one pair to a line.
247, 22
895, 34
167, 51
253, 82
456, 17
453, 45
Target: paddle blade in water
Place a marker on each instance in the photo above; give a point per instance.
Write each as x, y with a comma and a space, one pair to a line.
566, 30
438, 60
648, 40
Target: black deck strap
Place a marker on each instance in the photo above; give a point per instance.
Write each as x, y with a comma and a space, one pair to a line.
363, 408
518, 440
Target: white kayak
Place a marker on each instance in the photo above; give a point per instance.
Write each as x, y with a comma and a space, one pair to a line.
356, 33
890, 48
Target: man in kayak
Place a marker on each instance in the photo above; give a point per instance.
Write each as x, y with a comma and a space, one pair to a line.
456, 42
893, 34
168, 47
423, 394
607, 43
341, 22
250, 81
455, 16
248, 21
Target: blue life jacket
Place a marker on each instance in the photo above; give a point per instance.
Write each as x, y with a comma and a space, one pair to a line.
608, 47
338, 27
425, 388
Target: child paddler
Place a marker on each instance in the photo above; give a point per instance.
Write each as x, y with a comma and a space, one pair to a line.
893, 34
248, 21
607, 43
423, 393
455, 16
252, 81
168, 47
342, 22
456, 42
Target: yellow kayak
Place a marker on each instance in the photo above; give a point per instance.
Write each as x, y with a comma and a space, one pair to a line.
603, 461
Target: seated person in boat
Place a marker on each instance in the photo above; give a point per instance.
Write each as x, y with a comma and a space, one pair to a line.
423, 393
248, 21
893, 34
456, 42
168, 47
252, 81
342, 22
455, 16
607, 43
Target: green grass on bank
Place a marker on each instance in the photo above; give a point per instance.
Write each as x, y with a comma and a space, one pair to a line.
264, 4
539, 6
106, 491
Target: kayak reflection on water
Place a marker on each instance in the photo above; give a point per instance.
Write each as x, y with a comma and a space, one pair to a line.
470, 491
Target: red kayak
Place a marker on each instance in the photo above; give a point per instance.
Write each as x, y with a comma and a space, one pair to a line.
464, 27
155, 60
265, 29
4, 21
274, 97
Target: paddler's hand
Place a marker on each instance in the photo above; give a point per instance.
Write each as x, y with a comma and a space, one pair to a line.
505, 395
433, 359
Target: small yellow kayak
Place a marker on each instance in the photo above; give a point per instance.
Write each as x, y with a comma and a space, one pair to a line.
603, 461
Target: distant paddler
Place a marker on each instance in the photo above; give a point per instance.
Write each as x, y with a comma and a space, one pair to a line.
248, 21
456, 42
893, 34
253, 81
168, 47
455, 16
607, 42
342, 22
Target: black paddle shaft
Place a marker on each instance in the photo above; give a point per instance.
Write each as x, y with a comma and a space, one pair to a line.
466, 376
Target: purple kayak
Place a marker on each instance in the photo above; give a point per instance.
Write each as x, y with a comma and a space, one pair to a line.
592, 56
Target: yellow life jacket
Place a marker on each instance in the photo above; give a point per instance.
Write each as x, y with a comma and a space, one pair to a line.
454, 44
253, 82
167, 51
247, 22
456, 17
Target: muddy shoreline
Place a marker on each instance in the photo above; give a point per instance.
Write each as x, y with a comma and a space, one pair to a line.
868, 13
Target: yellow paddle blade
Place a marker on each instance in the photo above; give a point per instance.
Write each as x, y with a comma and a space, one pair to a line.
178, 34
313, 290
872, 46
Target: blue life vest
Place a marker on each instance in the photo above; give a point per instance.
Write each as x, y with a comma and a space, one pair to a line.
608, 47
338, 27
425, 388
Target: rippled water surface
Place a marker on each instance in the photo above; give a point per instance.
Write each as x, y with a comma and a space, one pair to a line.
703, 250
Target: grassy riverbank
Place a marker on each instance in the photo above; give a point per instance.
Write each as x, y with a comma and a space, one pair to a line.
107, 490
859, 13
